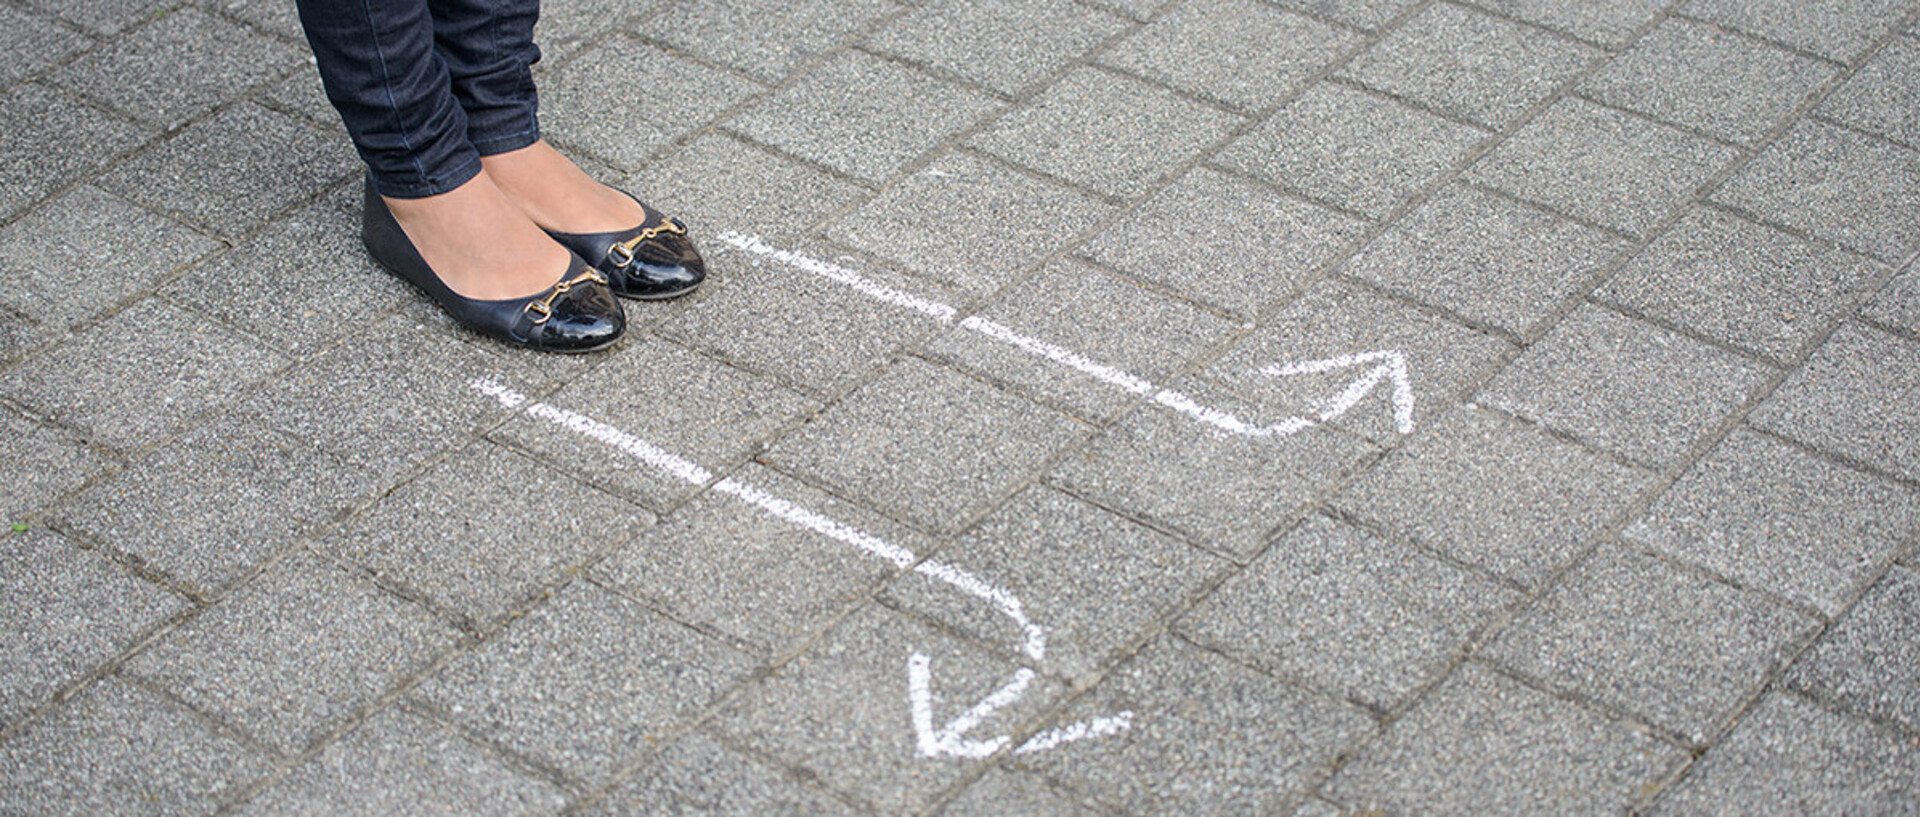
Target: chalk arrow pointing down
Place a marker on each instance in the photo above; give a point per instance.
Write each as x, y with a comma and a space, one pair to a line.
951, 740
1387, 365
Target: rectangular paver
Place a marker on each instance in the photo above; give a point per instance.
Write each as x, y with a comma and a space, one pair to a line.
1470, 64
1854, 397
1863, 665
1837, 184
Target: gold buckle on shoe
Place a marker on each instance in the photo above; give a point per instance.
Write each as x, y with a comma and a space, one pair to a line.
544, 307
622, 252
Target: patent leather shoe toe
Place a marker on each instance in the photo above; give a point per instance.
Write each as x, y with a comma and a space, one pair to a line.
653, 261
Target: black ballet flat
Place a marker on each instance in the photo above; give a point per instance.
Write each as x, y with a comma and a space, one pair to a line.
650, 262
577, 314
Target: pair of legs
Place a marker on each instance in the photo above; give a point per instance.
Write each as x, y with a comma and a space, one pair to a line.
438, 96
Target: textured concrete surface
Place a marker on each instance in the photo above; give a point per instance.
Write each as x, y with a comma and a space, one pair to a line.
1098, 407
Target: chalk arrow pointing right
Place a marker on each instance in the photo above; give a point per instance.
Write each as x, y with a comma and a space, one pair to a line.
1387, 366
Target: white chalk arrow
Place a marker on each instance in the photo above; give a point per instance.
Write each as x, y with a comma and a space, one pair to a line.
951, 740
1388, 365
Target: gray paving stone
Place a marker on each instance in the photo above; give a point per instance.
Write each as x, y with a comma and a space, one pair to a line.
1634, 632
568, 25
280, 17
118, 749
720, 184
1602, 165
177, 67
1241, 246
1898, 304
64, 612
1002, 792
43, 252
1469, 64
926, 444
1854, 397
1836, 184
698, 776
1311, 146
105, 17
1112, 134
932, 223
767, 41
399, 763
690, 406
301, 95
669, 98
1206, 735
1744, 283
52, 142
1091, 579
1634, 389
1333, 320
92, 384
725, 564
1609, 24
836, 713
1495, 493
1793, 757
41, 464
1864, 665
33, 43
1837, 29
1226, 491
293, 653
1005, 45
1884, 97
806, 330
1777, 518
1482, 744
1348, 612
232, 171
1092, 313
1702, 77
1245, 54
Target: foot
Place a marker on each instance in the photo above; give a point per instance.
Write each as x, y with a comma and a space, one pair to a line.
558, 195
479, 244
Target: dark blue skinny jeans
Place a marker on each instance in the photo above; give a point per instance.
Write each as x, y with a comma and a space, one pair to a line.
427, 87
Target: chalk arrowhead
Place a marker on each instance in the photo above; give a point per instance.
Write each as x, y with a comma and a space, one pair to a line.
1384, 366
951, 740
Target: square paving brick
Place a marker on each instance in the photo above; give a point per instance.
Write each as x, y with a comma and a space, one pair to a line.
863, 116
1495, 493
1898, 304
1310, 146
234, 170
1778, 518
33, 43
41, 464
583, 682
1634, 389
1836, 184
292, 653
43, 253
1112, 134
837, 714
1790, 756
927, 444
142, 374
1484, 744
1836, 29
1635, 632
1602, 165
52, 142
720, 184
1002, 792
64, 612
1005, 45
399, 763
698, 776
1206, 734
1747, 284
1608, 24
694, 408
1227, 491
806, 330
1487, 258
1239, 52
1864, 665
1702, 77
177, 67
731, 565
1241, 245
568, 25
1076, 308
767, 41
1469, 64
118, 749
1884, 97
1348, 612
1856, 397
1092, 580
968, 223
1334, 320
666, 99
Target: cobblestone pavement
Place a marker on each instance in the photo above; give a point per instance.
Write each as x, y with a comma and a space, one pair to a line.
1099, 407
